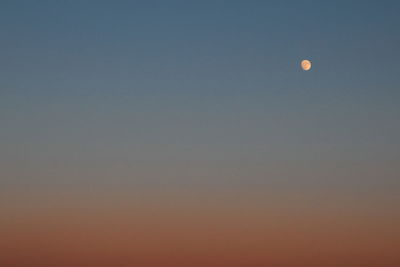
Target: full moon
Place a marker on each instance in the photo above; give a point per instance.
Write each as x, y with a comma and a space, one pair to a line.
306, 64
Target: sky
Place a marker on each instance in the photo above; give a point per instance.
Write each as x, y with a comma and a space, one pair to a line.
177, 133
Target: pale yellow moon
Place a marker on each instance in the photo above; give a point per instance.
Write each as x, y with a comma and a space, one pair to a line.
306, 64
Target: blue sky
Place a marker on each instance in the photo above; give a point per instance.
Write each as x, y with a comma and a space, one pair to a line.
150, 81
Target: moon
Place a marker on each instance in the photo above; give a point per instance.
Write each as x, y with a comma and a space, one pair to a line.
306, 64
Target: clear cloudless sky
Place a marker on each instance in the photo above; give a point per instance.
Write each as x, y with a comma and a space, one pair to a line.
201, 103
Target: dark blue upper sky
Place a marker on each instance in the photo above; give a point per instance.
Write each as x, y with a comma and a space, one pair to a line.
206, 80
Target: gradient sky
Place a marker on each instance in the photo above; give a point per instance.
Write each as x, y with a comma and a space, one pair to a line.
112, 111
